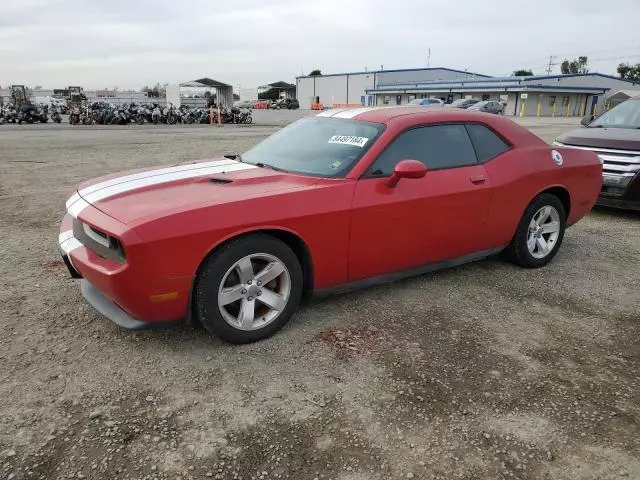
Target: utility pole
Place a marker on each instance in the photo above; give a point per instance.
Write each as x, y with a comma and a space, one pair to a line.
428, 57
551, 64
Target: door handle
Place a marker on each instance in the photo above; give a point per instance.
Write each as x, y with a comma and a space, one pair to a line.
477, 179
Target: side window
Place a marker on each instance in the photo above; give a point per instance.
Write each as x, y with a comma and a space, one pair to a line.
438, 146
486, 143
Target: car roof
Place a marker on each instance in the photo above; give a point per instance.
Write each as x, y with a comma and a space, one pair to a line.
386, 114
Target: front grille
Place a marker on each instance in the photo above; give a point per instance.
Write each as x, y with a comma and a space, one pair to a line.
102, 244
618, 166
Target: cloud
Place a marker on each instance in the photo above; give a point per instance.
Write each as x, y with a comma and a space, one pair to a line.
250, 42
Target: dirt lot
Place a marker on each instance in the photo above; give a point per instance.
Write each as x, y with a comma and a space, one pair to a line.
486, 371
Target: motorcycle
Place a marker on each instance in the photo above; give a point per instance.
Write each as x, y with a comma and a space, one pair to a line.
10, 114
156, 115
30, 113
55, 114
171, 115
74, 115
241, 115
143, 114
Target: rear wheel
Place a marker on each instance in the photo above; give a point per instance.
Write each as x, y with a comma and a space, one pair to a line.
248, 289
540, 232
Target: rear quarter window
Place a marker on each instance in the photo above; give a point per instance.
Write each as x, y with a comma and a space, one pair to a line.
487, 144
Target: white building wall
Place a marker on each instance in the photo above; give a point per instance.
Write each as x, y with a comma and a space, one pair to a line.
358, 84
305, 88
331, 89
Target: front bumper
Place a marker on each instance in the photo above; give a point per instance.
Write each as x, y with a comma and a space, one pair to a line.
109, 309
624, 198
133, 294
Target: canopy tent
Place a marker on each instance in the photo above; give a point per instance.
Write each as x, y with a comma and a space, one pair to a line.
224, 92
284, 89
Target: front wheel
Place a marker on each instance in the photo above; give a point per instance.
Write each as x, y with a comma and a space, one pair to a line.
540, 232
248, 289
248, 119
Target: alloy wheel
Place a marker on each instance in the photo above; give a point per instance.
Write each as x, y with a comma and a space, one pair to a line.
543, 232
254, 291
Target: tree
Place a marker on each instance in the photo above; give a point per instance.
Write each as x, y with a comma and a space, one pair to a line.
576, 66
315, 73
522, 73
271, 94
629, 72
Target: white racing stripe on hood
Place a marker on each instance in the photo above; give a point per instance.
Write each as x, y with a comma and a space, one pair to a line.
151, 173
77, 207
128, 183
72, 199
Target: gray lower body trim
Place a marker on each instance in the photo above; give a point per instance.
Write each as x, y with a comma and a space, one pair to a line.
113, 312
413, 272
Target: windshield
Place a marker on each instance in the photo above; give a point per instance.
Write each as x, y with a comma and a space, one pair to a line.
417, 101
460, 101
480, 104
625, 115
320, 146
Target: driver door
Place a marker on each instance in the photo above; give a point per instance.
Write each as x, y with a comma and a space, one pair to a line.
420, 221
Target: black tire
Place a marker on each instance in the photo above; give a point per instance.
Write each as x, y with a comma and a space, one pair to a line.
517, 251
248, 119
140, 119
213, 271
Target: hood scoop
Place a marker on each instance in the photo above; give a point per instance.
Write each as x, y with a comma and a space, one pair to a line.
220, 181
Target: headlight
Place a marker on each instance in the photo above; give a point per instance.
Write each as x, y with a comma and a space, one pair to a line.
98, 241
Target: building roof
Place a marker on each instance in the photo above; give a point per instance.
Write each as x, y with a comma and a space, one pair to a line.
512, 80
205, 82
281, 85
396, 70
522, 83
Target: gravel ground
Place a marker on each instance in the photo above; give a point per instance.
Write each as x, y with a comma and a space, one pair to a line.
485, 371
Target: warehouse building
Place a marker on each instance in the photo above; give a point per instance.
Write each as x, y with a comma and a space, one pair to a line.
351, 88
550, 95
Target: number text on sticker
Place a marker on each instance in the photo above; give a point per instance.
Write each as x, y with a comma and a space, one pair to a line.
349, 140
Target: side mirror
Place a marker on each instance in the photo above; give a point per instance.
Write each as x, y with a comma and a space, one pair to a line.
586, 120
406, 169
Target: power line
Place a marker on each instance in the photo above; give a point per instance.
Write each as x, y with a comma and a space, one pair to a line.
551, 64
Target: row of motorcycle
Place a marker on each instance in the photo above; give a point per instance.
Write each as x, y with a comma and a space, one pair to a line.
30, 113
101, 113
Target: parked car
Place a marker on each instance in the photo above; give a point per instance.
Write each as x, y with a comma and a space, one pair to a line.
487, 106
428, 102
243, 104
337, 201
286, 103
615, 137
464, 102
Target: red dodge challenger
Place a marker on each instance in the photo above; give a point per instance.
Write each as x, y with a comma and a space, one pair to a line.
344, 199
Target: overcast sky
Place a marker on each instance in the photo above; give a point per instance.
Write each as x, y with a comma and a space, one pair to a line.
104, 43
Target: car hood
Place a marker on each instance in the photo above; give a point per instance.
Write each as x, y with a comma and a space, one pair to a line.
145, 195
614, 138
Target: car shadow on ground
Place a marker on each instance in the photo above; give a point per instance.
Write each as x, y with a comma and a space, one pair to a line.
618, 213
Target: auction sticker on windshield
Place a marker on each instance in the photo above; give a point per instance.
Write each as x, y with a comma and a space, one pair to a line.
349, 140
